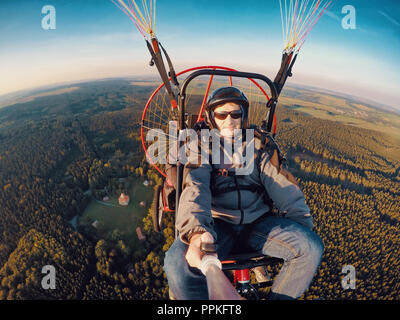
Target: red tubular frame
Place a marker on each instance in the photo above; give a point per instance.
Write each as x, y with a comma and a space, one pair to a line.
202, 108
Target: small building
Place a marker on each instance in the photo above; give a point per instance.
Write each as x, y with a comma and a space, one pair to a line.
142, 204
123, 199
106, 198
140, 234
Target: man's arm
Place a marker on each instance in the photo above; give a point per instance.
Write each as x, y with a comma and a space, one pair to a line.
194, 212
284, 191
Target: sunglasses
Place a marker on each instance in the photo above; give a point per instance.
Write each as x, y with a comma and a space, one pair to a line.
235, 114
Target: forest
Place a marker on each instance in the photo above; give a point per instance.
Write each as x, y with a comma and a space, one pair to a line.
50, 157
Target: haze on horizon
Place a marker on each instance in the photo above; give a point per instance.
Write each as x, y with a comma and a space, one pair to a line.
94, 39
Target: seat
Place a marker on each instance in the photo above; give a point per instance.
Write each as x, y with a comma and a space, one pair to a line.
248, 261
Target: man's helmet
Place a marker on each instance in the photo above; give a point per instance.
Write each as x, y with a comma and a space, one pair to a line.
223, 95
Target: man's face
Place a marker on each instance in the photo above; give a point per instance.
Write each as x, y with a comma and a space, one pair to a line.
231, 122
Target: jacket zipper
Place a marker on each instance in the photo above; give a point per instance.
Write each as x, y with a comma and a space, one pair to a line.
239, 201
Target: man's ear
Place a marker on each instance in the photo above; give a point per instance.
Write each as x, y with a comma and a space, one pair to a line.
209, 122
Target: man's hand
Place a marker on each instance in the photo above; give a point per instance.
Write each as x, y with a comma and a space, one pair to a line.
194, 255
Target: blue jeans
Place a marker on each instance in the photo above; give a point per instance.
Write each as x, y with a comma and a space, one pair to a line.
299, 247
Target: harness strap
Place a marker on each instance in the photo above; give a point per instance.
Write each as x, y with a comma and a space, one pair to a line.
252, 188
223, 172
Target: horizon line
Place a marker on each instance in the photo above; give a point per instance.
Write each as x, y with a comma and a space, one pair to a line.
155, 77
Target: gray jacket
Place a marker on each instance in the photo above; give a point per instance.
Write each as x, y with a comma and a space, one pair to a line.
198, 206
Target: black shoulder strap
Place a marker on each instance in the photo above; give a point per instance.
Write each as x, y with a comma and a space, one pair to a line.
259, 145
269, 144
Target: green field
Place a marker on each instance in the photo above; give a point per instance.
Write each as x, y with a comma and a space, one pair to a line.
124, 218
327, 107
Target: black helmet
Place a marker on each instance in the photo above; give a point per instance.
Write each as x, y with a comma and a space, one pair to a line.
223, 95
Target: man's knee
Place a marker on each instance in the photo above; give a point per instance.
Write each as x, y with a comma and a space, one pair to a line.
315, 248
174, 260
308, 246
181, 277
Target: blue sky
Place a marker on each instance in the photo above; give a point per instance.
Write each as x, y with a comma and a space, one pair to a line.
94, 39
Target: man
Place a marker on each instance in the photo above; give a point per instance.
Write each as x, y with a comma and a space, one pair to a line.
237, 212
